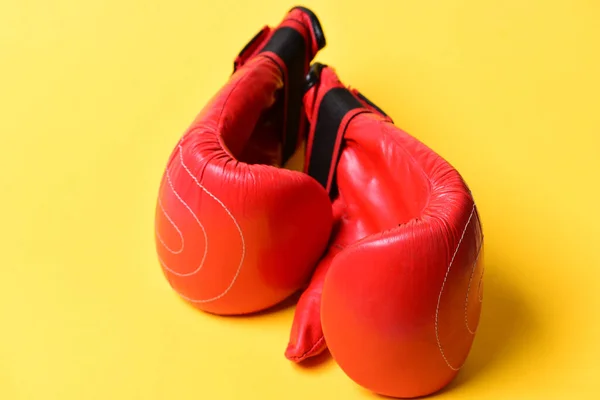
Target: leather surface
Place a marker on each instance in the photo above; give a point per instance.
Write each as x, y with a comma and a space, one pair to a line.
397, 298
227, 216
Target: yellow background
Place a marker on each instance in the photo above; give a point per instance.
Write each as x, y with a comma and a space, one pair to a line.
94, 95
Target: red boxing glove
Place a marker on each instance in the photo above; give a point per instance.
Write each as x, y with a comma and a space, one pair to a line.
397, 297
236, 234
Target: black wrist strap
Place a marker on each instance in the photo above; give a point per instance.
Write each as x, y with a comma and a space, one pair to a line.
290, 46
293, 49
328, 135
338, 107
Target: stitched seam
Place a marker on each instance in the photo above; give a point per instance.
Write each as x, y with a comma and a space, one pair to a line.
437, 310
165, 266
314, 346
174, 226
243, 255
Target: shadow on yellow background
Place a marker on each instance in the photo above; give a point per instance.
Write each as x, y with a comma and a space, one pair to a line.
94, 95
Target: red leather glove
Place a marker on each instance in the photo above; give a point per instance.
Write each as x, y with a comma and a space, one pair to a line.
235, 233
397, 297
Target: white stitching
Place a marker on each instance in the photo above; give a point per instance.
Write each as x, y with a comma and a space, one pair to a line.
472, 332
199, 224
203, 231
243, 256
174, 226
437, 310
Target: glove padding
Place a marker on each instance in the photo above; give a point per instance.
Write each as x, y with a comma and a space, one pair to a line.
397, 297
235, 233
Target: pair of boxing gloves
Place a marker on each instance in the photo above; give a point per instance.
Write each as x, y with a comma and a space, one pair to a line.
379, 231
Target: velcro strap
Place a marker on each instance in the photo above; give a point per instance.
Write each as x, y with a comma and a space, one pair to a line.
329, 130
336, 110
290, 46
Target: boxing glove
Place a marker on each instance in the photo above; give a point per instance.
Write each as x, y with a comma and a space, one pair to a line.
235, 232
397, 297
